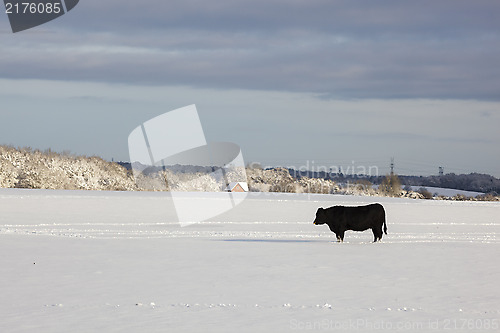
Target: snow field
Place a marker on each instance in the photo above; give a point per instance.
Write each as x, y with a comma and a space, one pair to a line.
87, 261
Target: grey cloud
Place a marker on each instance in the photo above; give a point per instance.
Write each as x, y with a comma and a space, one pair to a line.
346, 17
391, 49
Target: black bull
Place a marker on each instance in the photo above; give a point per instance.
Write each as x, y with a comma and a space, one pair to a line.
340, 219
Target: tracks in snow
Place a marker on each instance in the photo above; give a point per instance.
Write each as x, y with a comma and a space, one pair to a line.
262, 231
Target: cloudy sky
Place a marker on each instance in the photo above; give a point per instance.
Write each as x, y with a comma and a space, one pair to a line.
318, 83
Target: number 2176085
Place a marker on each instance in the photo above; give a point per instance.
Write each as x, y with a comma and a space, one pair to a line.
33, 8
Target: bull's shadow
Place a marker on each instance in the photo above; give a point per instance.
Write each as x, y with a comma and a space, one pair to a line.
265, 240
273, 240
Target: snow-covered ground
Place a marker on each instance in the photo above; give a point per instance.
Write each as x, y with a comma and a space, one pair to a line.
448, 192
77, 261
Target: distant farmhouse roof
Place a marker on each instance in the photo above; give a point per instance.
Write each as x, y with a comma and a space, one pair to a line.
237, 187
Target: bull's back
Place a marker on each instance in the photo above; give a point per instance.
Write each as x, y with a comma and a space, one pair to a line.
363, 217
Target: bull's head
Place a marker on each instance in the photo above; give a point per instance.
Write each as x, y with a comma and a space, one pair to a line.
321, 217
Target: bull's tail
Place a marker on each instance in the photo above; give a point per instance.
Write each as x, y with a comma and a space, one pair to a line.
385, 226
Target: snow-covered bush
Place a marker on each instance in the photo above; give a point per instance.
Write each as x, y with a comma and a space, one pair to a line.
8, 173
391, 186
425, 193
274, 180
317, 185
190, 178
27, 168
280, 180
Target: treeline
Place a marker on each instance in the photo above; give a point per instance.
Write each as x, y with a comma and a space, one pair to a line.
475, 182
35, 169
471, 182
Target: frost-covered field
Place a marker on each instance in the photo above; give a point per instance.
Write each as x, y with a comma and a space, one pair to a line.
449, 192
76, 261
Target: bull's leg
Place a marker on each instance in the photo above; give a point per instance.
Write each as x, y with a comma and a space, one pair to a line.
341, 236
338, 238
377, 234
